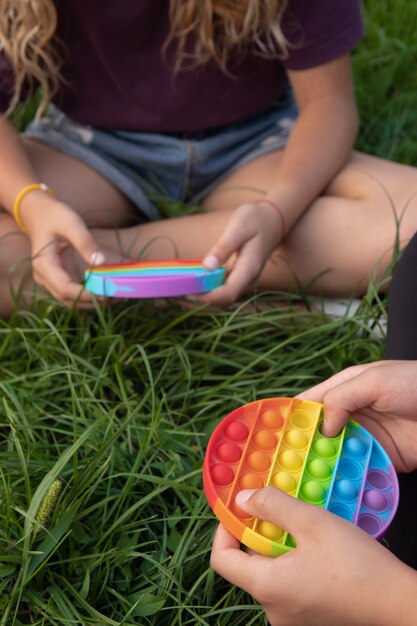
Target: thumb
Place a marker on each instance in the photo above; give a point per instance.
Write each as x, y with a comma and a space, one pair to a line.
82, 240
276, 506
232, 239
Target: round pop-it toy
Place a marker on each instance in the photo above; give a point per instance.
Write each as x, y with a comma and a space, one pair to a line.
152, 279
278, 442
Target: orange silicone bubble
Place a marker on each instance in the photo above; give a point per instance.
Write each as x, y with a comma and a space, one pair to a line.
265, 440
271, 419
258, 462
251, 481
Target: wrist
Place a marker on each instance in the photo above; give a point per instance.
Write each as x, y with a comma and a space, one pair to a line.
278, 211
28, 202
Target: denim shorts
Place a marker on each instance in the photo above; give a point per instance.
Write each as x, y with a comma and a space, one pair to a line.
150, 168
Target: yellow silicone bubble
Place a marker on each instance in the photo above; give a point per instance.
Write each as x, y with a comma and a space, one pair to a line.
265, 440
258, 462
270, 531
300, 419
271, 419
284, 481
296, 439
290, 460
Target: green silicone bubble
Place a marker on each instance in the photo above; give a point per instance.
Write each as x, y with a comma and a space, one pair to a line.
319, 469
324, 448
313, 491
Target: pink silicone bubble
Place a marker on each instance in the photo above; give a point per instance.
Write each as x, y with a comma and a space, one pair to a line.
222, 474
229, 452
378, 479
371, 524
375, 500
236, 431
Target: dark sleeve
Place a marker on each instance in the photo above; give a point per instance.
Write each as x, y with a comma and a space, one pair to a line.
6, 83
319, 31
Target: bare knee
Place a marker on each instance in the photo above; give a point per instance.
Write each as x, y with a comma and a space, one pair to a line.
375, 180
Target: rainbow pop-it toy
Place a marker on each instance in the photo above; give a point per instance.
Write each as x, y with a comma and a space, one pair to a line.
152, 279
277, 442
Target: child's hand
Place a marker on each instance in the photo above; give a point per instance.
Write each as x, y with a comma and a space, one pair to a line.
53, 228
382, 396
251, 235
337, 575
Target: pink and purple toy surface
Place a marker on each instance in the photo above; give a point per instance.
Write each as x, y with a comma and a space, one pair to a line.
152, 279
277, 441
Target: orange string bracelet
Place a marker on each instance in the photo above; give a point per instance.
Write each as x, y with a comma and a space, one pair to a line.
21, 195
278, 210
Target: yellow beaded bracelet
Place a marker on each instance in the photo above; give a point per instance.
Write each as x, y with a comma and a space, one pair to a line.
21, 195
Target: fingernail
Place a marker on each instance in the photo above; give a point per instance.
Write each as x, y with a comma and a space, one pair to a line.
243, 496
211, 262
97, 258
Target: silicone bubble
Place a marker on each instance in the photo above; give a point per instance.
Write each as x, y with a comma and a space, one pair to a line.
265, 440
324, 448
271, 419
278, 442
236, 431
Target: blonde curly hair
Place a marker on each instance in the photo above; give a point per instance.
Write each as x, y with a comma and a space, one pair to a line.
216, 27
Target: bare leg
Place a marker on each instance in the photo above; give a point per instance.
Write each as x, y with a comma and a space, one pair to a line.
343, 240
348, 233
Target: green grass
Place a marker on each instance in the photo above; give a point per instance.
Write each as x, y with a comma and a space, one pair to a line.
119, 405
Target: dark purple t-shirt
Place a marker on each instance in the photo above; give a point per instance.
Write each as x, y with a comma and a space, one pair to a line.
116, 78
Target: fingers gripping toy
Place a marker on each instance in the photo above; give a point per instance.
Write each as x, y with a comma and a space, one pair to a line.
277, 442
152, 279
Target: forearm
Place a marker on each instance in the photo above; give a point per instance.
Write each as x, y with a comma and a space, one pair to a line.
16, 171
319, 145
